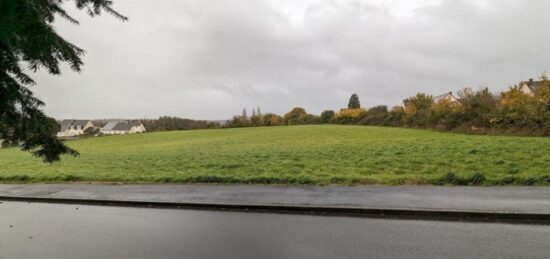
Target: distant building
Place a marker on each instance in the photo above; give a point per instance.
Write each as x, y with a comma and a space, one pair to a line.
529, 87
405, 103
72, 128
122, 127
446, 96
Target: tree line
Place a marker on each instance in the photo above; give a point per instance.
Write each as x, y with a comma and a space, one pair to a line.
167, 123
474, 111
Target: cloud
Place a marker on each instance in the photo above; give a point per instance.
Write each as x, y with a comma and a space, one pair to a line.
208, 60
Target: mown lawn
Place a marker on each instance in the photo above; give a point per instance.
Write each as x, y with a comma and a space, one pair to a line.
327, 154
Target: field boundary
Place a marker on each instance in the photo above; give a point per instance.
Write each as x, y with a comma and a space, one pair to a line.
365, 212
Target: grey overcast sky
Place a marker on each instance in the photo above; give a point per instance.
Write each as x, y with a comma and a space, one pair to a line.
209, 59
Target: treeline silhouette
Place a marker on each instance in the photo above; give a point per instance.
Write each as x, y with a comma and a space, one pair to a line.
167, 123
512, 112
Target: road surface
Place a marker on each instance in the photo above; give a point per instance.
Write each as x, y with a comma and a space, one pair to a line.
487, 199
40, 230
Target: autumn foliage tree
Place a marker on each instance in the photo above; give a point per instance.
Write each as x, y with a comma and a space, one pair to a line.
350, 116
418, 110
296, 116
478, 107
271, 119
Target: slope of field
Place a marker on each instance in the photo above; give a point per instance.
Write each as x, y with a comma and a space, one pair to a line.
297, 155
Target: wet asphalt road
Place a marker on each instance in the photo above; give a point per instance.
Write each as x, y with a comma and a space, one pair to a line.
35, 230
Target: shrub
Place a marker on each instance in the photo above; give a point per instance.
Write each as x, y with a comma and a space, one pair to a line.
327, 116
517, 106
375, 116
445, 115
418, 110
312, 119
349, 116
395, 117
296, 116
271, 119
478, 107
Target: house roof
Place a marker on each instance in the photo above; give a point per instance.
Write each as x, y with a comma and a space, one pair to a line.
121, 125
110, 125
66, 124
435, 99
441, 97
532, 84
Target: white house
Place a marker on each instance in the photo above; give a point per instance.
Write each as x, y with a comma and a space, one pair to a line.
529, 87
446, 96
122, 127
72, 128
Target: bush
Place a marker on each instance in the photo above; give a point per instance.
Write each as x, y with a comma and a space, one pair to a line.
395, 117
349, 116
478, 107
271, 119
418, 110
327, 116
375, 116
296, 116
445, 115
312, 119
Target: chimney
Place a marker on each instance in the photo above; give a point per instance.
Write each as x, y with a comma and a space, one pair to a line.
530, 80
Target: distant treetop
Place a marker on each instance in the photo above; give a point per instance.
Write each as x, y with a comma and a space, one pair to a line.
354, 102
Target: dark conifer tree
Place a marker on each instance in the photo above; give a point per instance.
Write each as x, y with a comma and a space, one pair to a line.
354, 102
29, 40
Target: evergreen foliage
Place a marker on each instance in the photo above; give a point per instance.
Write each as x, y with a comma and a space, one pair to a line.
327, 116
28, 41
354, 102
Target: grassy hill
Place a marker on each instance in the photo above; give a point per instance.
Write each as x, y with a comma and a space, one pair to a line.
298, 155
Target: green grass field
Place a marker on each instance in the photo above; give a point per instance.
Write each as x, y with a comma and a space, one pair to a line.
328, 154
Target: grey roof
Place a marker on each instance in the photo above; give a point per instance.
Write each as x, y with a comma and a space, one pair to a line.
532, 84
65, 124
121, 125
110, 125
438, 98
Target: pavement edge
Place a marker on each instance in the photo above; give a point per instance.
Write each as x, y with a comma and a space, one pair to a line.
391, 213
